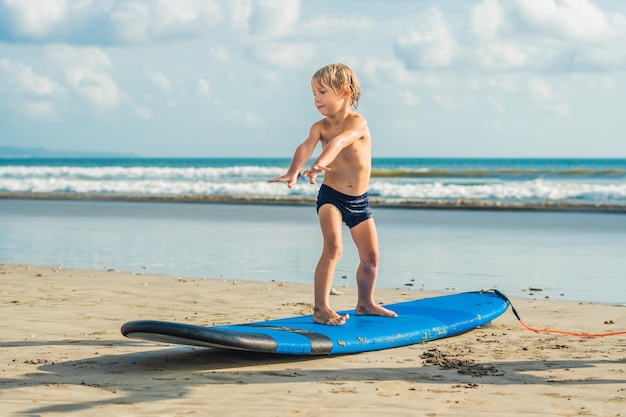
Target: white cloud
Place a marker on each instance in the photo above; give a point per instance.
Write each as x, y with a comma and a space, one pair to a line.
204, 88
405, 123
430, 44
43, 109
546, 98
385, 72
98, 87
270, 77
142, 113
539, 90
22, 78
105, 22
239, 12
335, 26
286, 54
487, 18
572, 19
160, 80
608, 57
272, 18
408, 98
131, 22
447, 103
501, 56
29, 93
245, 117
560, 109
87, 70
137, 21
555, 35
219, 55
496, 105
34, 18
178, 16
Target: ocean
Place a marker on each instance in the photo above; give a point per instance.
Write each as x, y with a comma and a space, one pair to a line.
592, 184
556, 228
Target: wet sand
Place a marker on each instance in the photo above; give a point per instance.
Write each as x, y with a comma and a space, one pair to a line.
458, 204
570, 256
61, 353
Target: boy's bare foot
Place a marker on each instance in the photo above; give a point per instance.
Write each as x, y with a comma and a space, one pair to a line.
329, 317
375, 310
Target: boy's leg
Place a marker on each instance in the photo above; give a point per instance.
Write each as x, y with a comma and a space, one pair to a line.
330, 223
365, 238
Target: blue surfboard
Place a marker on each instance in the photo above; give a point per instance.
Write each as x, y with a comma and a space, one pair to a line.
418, 321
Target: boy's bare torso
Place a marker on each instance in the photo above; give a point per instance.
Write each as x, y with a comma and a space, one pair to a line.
351, 169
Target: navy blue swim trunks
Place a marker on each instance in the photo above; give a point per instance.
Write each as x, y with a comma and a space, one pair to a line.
354, 209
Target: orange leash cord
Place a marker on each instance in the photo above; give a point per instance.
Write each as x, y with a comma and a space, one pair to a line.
536, 330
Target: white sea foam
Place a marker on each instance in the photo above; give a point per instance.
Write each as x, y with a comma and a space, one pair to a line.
252, 181
523, 191
536, 190
151, 187
189, 173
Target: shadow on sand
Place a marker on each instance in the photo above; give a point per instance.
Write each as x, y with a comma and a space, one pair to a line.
168, 373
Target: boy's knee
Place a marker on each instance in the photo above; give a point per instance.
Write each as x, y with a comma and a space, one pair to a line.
333, 249
370, 261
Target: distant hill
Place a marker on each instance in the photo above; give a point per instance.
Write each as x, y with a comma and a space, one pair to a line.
13, 152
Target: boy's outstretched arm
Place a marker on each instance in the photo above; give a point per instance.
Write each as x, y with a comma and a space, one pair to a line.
301, 156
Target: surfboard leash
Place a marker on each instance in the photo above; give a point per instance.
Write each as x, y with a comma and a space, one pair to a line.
550, 331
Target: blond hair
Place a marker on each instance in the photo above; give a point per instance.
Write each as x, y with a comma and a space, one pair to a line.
338, 77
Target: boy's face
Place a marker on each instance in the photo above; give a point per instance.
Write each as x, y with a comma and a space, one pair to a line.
326, 100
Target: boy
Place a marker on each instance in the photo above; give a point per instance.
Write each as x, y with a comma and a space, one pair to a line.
346, 163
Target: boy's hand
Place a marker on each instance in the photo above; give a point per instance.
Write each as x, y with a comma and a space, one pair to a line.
289, 179
313, 170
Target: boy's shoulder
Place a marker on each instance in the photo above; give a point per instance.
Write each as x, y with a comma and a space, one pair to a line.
319, 124
352, 117
356, 121
357, 117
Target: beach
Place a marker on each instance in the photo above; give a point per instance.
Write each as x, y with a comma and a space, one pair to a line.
62, 354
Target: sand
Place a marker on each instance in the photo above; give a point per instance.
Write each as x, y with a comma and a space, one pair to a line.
61, 353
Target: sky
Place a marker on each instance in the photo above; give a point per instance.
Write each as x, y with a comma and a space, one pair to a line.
231, 78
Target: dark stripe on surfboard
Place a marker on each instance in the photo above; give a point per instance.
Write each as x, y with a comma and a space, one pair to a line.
320, 344
151, 329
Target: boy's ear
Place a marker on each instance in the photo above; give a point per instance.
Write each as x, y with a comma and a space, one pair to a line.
346, 91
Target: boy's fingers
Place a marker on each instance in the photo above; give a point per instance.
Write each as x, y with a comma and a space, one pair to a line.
284, 178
